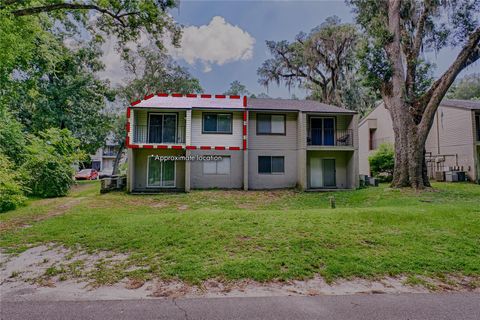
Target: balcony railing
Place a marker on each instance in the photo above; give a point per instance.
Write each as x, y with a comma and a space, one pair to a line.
330, 137
158, 134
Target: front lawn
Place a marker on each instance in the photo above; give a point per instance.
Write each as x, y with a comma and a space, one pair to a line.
262, 235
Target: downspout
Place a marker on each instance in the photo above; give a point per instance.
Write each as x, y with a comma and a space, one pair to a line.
244, 142
438, 135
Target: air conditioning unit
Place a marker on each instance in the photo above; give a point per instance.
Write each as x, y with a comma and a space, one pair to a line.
440, 176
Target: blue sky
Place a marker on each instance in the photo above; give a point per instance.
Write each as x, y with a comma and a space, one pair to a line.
234, 47
265, 20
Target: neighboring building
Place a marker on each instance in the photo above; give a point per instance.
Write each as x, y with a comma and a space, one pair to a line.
263, 143
104, 158
452, 144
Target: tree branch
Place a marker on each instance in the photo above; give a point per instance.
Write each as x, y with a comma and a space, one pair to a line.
71, 6
413, 51
432, 98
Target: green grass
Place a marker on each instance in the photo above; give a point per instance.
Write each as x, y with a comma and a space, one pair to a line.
263, 235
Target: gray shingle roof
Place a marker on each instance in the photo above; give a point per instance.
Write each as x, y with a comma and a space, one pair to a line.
294, 105
464, 104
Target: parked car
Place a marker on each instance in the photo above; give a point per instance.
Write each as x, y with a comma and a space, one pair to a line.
87, 174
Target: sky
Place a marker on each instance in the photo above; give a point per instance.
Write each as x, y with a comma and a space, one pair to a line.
224, 41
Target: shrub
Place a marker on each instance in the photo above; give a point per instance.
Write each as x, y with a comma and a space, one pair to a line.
11, 191
382, 161
48, 168
12, 139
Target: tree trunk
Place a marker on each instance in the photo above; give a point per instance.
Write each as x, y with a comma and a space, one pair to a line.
117, 158
410, 165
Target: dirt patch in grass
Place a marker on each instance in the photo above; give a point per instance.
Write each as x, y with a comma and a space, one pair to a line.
59, 209
54, 272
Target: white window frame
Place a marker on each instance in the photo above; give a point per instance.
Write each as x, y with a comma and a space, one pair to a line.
216, 167
161, 172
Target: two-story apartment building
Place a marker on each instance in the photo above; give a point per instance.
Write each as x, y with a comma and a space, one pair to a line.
453, 141
234, 142
104, 157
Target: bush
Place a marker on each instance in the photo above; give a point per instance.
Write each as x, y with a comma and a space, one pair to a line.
12, 139
48, 168
11, 191
48, 175
382, 162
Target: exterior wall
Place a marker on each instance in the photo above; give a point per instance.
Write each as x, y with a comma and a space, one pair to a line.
383, 133
235, 139
272, 181
273, 145
452, 138
273, 142
139, 165
244, 163
302, 151
343, 160
234, 180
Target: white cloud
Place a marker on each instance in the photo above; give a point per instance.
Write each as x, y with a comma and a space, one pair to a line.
216, 43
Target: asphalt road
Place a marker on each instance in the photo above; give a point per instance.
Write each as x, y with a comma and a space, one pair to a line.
369, 307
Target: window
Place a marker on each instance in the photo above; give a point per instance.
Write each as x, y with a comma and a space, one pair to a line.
217, 123
162, 128
477, 120
371, 139
160, 173
217, 167
270, 123
271, 165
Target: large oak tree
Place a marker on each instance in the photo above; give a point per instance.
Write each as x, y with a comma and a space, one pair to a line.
399, 32
323, 61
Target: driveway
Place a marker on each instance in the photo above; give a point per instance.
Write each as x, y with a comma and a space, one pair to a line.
456, 306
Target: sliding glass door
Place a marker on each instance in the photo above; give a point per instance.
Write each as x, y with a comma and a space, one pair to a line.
160, 174
322, 131
162, 128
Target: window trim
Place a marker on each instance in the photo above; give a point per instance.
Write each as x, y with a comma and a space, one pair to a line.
271, 166
216, 167
270, 133
174, 174
217, 132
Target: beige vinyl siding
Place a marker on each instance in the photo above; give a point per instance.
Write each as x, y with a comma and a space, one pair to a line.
140, 163
273, 145
452, 133
383, 134
273, 142
200, 180
211, 139
288, 179
343, 164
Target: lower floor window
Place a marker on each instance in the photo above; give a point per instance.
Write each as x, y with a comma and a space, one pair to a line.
269, 164
160, 173
217, 167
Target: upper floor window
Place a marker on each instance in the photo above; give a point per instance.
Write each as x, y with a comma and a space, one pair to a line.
217, 123
371, 139
271, 124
